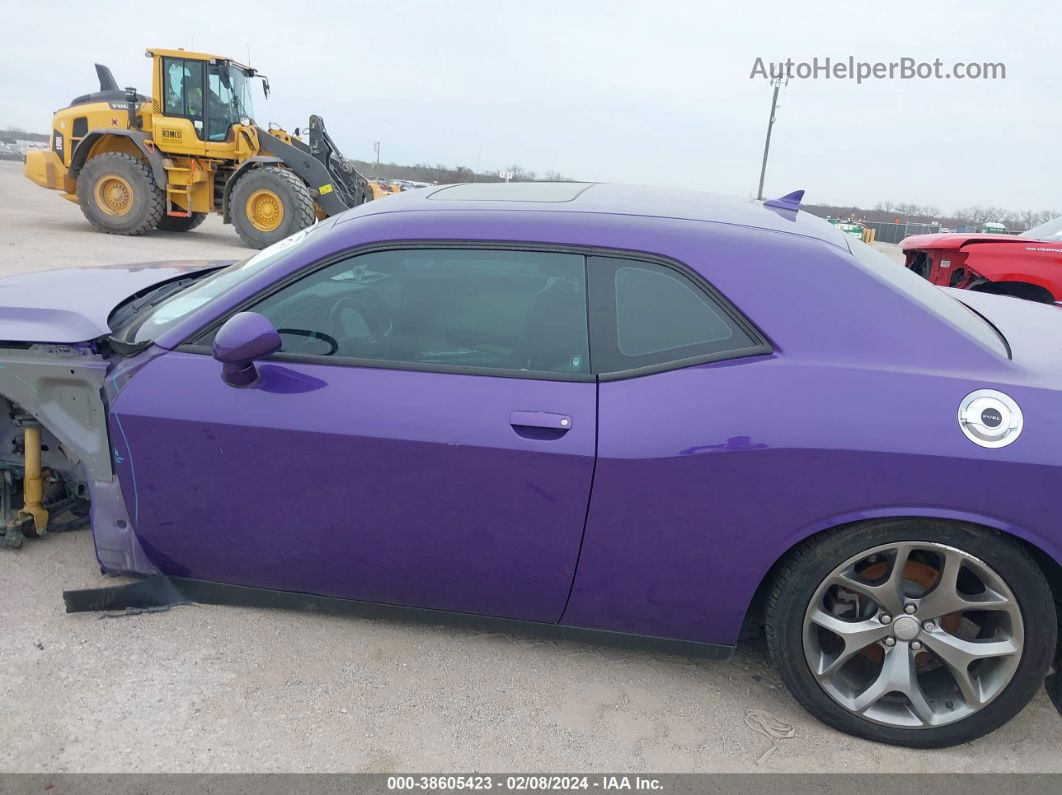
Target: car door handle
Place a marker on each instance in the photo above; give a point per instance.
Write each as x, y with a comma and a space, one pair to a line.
540, 419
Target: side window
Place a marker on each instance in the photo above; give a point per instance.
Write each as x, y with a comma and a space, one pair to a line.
644, 314
506, 310
183, 88
219, 97
173, 89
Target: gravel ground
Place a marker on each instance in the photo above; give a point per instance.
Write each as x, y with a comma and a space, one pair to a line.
229, 689
890, 250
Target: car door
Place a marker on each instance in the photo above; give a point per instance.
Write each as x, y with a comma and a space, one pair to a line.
680, 463
426, 436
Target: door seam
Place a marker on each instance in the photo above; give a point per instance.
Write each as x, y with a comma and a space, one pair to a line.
589, 497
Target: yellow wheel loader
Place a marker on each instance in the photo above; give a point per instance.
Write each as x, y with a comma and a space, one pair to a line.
135, 163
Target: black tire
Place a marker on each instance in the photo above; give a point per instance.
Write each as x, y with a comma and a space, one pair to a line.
145, 199
1023, 290
810, 564
294, 196
177, 223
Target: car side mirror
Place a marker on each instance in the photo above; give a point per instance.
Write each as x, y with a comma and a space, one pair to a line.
244, 337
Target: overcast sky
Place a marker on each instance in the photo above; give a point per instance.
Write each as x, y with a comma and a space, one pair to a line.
649, 92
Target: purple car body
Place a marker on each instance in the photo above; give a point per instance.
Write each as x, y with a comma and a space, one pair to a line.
653, 502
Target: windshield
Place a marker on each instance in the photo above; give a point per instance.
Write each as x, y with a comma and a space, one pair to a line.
1052, 230
175, 308
930, 296
229, 97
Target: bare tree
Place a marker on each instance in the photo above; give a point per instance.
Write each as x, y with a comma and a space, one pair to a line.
520, 174
1030, 218
977, 215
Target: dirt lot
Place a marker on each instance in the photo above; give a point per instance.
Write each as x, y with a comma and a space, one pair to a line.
227, 689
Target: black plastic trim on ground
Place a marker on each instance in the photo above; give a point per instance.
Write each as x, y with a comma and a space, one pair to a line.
1053, 683
161, 591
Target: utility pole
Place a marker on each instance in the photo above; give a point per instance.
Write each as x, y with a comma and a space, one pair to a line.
777, 83
376, 148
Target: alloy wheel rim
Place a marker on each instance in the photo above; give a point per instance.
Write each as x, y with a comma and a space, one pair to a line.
114, 195
913, 634
265, 210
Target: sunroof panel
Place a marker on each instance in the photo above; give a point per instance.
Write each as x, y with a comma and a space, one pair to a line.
512, 192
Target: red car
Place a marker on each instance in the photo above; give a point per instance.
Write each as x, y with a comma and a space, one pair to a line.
1027, 266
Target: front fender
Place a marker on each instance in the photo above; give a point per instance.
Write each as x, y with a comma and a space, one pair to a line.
251, 162
63, 387
140, 139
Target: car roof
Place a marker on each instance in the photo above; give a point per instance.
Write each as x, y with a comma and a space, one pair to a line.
606, 198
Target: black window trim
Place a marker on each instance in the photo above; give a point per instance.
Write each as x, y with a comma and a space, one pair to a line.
202, 135
203, 86
168, 60
761, 347
189, 346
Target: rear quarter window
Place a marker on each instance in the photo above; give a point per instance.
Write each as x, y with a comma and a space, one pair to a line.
652, 315
643, 330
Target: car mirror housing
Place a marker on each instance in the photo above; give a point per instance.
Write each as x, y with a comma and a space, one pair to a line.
244, 337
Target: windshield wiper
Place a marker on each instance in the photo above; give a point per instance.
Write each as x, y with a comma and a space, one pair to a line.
124, 316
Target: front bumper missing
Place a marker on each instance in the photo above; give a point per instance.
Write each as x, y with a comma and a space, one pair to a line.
64, 513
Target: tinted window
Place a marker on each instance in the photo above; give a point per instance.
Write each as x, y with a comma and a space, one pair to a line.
641, 328
147, 322
645, 314
484, 309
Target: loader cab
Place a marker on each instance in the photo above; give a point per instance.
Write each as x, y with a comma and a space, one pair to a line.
211, 93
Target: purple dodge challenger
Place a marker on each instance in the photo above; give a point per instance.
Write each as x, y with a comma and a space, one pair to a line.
599, 411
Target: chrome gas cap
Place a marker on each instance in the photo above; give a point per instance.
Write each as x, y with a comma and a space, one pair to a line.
990, 418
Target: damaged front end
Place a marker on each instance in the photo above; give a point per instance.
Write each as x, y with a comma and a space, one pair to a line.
35, 499
58, 359
44, 477
55, 459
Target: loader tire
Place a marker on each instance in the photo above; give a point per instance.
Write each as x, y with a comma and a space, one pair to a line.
118, 195
177, 223
268, 204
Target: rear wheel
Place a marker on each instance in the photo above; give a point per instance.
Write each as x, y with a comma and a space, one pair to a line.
268, 204
910, 632
177, 223
118, 194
